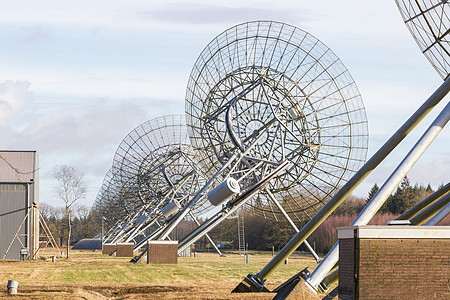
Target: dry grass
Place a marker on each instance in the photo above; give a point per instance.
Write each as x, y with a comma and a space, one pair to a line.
91, 275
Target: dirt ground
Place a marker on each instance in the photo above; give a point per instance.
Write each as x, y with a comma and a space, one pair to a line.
130, 291
91, 275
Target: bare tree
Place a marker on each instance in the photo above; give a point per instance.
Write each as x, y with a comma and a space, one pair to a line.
70, 189
46, 210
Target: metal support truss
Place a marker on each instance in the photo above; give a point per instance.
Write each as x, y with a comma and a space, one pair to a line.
270, 75
260, 277
439, 216
228, 209
206, 235
311, 250
383, 193
424, 203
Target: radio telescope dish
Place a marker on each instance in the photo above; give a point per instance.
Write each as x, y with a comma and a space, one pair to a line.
429, 22
157, 163
111, 202
276, 93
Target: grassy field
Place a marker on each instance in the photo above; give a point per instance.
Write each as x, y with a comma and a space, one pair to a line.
91, 275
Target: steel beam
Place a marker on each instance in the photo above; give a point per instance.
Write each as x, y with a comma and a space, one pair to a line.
141, 231
148, 237
439, 216
120, 234
286, 216
383, 193
356, 179
430, 211
232, 206
207, 236
424, 203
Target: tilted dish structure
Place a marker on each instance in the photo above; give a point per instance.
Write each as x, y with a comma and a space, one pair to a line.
276, 117
110, 204
156, 163
158, 158
112, 208
278, 124
429, 23
275, 93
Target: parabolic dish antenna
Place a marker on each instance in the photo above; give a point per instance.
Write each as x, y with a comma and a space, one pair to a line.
157, 159
429, 23
111, 201
110, 198
276, 93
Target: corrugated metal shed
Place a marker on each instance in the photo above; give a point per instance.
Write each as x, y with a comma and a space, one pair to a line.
18, 190
13, 209
17, 166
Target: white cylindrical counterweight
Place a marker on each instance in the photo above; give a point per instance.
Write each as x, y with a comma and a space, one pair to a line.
170, 208
223, 191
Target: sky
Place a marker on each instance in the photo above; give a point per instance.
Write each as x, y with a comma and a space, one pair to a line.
77, 76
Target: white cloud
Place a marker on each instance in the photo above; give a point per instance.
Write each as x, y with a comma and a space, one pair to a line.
78, 135
100, 68
436, 171
217, 13
73, 128
14, 98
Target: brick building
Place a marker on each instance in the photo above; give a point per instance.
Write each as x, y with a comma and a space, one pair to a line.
394, 262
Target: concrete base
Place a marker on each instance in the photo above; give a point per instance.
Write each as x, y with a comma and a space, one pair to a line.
249, 286
162, 252
12, 287
109, 248
125, 250
297, 290
141, 260
394, 262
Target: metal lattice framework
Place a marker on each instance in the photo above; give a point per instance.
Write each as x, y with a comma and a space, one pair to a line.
274, 93
157, 163
110, 202
153, 166
428, 21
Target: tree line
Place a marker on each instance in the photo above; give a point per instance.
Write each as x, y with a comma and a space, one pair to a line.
264, 234
260, 233
83, 223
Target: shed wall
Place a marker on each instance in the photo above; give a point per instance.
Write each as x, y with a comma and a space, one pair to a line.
17, 166
19, 188
13, 209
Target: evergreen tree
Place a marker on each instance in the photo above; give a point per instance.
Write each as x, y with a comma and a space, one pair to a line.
372, 192
403, 197
387, 206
